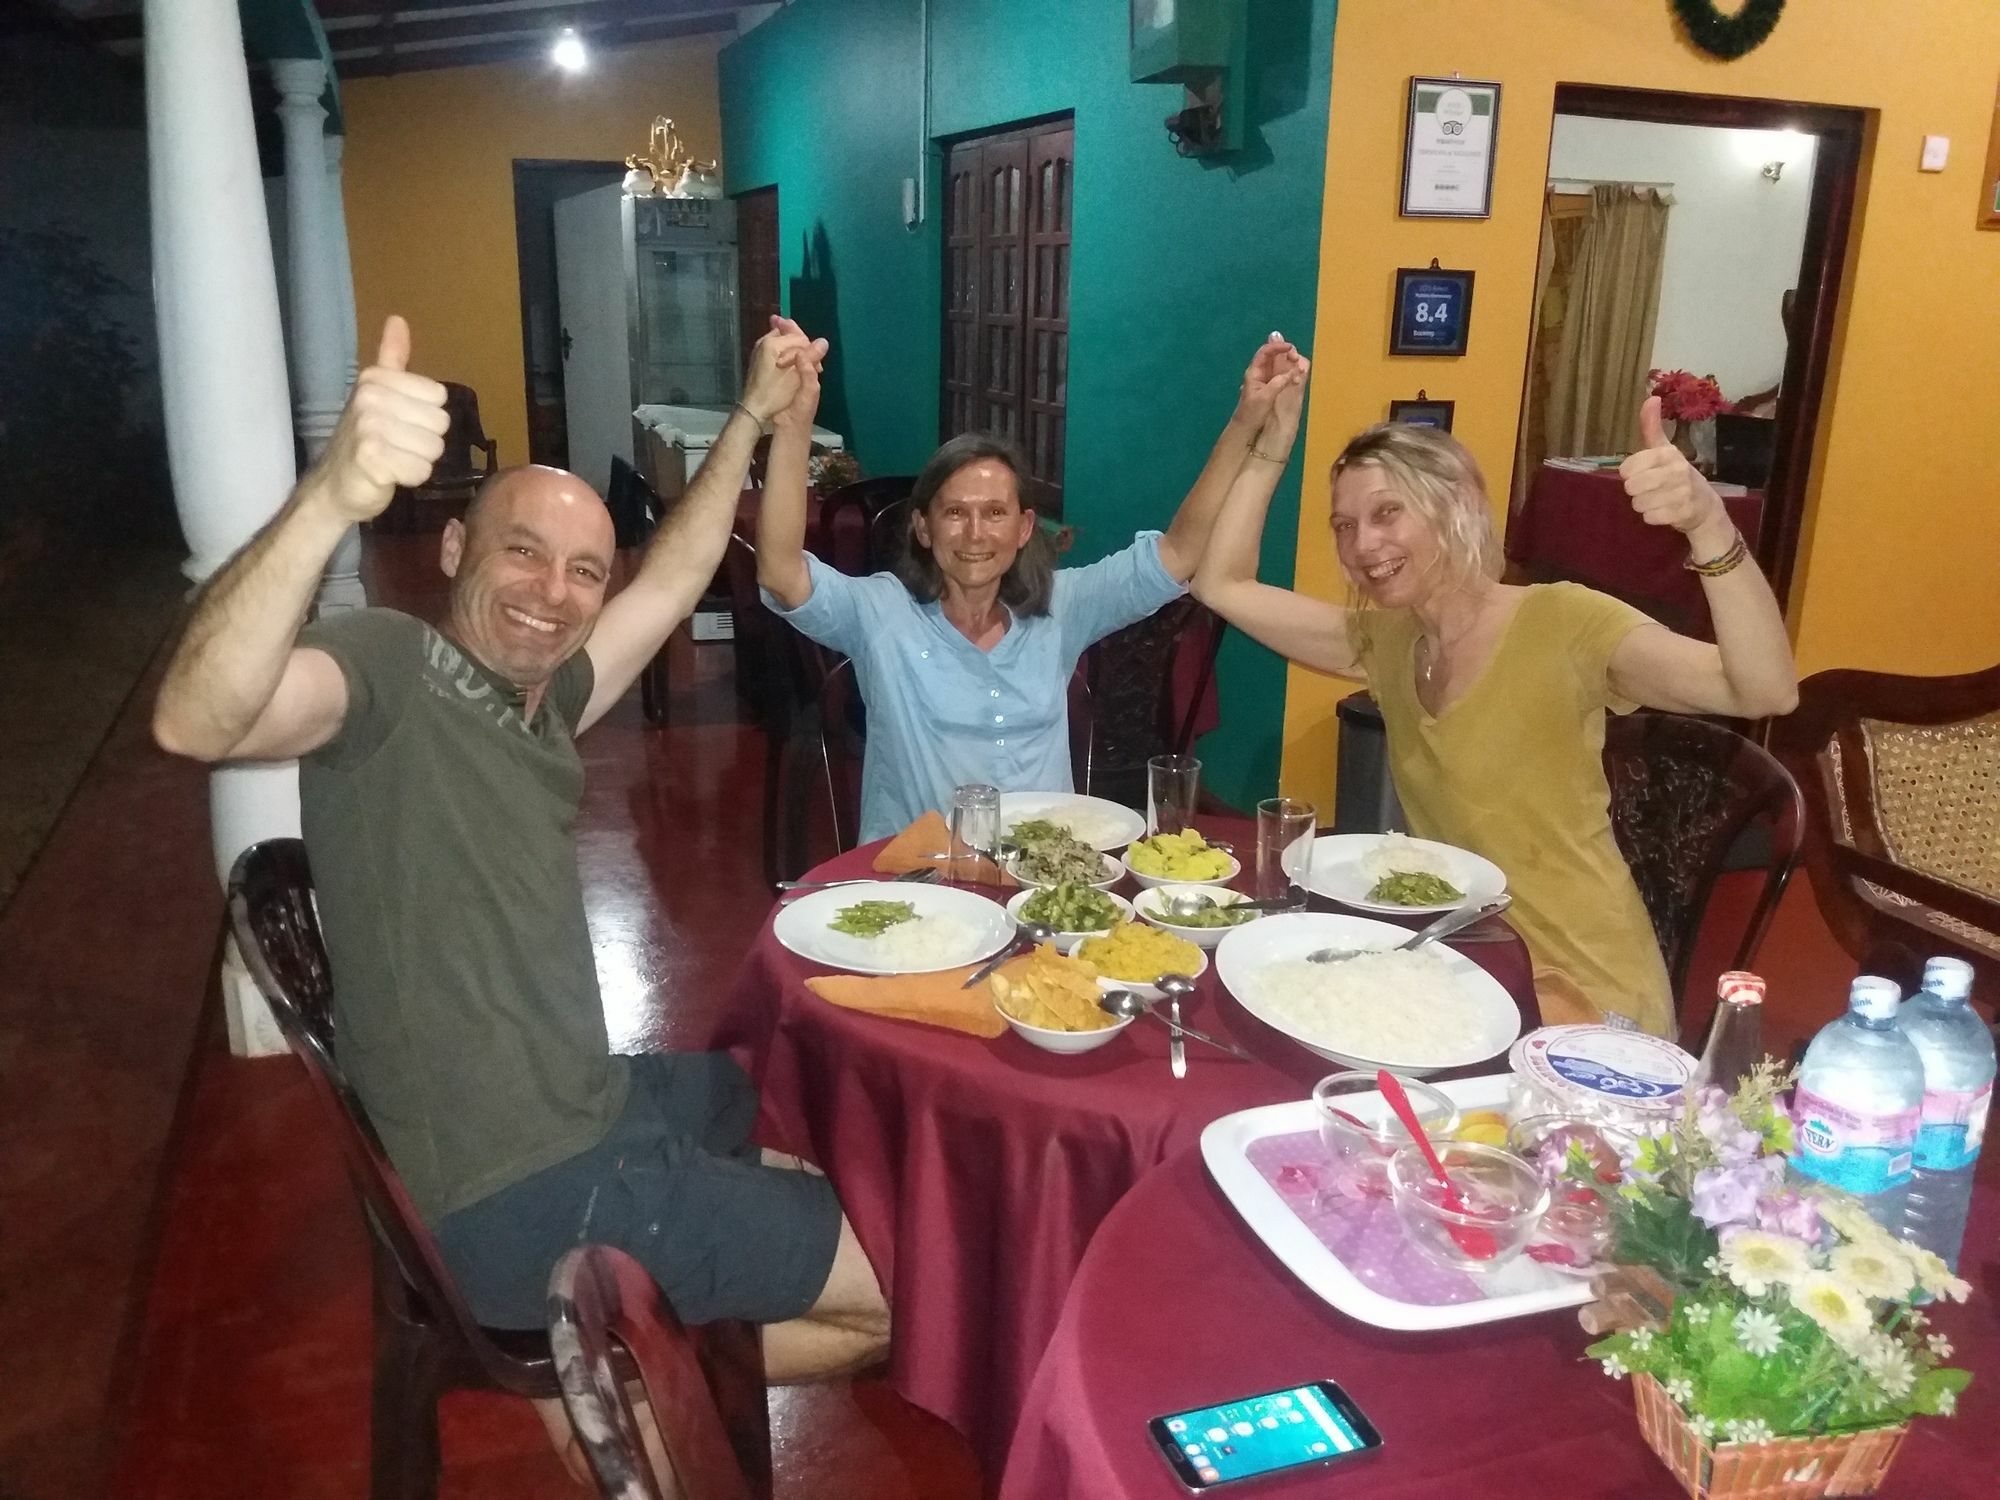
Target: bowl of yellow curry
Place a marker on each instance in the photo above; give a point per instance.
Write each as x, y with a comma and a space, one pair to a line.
1179, 859
1133, 956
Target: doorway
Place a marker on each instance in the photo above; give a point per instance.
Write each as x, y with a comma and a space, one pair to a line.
1717, 235
1005, 348
537, 187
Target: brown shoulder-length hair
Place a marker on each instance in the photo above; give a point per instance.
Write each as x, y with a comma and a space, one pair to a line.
1030, 583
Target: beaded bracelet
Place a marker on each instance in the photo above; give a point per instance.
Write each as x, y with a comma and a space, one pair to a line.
1728, 562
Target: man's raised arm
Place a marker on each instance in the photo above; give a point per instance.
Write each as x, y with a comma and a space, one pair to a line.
236, 688
687, 549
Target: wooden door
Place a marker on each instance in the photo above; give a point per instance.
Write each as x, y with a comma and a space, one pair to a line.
756, 265
1006, 295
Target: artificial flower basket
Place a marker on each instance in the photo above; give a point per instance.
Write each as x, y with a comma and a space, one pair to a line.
1793, 1468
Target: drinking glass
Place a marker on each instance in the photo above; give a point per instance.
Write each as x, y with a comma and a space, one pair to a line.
1284, 823
1171, 781
975, 834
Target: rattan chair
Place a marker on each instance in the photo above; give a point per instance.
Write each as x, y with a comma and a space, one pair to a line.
1902, 779
1684, 792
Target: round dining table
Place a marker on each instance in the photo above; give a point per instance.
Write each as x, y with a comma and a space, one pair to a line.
1177, 1306
976, 1171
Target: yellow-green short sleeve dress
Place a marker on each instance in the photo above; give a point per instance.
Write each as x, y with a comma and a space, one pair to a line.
1513, 769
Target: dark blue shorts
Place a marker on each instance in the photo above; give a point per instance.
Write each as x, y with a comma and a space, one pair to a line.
677, 1185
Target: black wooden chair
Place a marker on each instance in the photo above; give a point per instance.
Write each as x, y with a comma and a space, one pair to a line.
469, 458
847, 520
1684, 792
426, 1339
603, 1307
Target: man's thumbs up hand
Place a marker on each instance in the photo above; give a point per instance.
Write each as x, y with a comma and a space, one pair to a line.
391, 432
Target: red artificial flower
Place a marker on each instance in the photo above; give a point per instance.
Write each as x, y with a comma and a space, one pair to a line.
1685, 397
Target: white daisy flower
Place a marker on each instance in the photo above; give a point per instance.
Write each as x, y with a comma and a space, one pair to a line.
1751, 1430
1945, 1402
1940, 1346
1849, 1218
1681, 1391
1874, 1269
1641, 1340
1615, 1367
1697, 1314
1889, 1365
1757, 1331
1704, 1427
1713, 1265
1933, 1275
1834, 1303
1757, 1260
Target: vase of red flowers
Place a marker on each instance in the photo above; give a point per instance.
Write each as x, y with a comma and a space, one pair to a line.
1686, 400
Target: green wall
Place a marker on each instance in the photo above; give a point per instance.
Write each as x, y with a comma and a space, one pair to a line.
1179, 267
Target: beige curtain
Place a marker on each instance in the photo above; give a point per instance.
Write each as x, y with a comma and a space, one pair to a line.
1606, 343
1563, 218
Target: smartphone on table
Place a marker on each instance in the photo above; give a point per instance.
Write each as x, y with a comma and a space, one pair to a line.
1299, 1427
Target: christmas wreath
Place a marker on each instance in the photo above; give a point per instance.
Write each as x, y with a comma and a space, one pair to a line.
1728, 36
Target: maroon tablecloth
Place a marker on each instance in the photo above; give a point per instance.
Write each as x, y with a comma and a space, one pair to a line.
1582, 528
975, 1172
1176, 1306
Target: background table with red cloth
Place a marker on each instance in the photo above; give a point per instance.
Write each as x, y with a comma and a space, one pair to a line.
976, 1171
1177, 1305
1582, 528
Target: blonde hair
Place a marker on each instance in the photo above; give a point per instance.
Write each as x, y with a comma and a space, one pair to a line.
1439, 479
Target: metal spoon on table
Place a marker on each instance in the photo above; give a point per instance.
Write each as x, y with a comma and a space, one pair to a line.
1443, 927
1034, 934
1188, 903
1172, 988
1124, 1004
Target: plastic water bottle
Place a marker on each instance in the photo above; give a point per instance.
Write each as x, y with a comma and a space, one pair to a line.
1858, 1103
1957, 1053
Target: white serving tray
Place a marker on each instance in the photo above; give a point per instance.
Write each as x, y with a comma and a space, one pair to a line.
1518, 1289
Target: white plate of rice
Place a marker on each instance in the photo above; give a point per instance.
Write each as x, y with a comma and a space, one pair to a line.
1414, 1012
1102, 824
949, 927
1346, 866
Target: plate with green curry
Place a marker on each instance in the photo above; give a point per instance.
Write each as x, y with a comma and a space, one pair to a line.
1387, 872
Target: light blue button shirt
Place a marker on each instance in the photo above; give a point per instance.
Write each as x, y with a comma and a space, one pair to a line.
941, 712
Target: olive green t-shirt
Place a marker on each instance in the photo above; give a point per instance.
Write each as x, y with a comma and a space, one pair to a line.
439, 823
1514, 769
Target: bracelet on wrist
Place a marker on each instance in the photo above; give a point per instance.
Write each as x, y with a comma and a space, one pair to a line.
1730, 560
1280, 459
749, 413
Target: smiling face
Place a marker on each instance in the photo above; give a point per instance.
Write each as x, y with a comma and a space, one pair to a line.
528, 572
974, 526
1390, 552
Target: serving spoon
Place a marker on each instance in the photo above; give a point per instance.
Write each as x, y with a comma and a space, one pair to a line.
1443, 927
1033, 934
1125, 1005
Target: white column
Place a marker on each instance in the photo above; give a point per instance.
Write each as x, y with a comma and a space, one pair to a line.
319, 353
346, 561
222, 365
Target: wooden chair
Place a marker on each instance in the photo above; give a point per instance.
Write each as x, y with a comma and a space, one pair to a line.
1902, 779
455, 478
426, 1339
1683, 793
864, 500
1130, 674
603, 1306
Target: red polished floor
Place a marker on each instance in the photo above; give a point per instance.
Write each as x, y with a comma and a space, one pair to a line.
184, 1310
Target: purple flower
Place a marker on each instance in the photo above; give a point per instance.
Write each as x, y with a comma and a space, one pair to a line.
1793, 1214
1725, 1196
1735, 1144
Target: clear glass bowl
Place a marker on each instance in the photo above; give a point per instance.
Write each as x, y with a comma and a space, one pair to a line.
1575, 1233
1505, 1195
1360, 1152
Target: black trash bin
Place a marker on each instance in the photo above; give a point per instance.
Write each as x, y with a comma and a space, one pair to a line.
1364, 797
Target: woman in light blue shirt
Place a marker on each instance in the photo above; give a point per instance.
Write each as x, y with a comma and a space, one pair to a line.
963, 655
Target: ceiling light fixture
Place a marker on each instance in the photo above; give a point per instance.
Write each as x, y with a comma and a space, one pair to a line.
568, 53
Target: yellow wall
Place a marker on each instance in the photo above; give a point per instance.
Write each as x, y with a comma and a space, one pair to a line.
1900, 565
430, 194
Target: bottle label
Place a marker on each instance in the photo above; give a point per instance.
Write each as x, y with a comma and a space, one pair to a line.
1954, 1124
1860, 1152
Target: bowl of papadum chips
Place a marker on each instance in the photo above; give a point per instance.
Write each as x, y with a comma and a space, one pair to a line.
1051, 1001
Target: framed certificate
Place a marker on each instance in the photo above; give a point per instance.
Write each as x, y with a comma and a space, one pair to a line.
1422, 412
1432, 312
1448, 144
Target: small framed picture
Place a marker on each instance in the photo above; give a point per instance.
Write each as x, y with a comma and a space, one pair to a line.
1448, 143
1432, 313
1423, 412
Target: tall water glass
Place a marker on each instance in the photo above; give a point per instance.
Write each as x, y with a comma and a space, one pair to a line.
1171, 783
972, 854
1285, 831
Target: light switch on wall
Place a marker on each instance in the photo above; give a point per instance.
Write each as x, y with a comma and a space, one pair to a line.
1936, 149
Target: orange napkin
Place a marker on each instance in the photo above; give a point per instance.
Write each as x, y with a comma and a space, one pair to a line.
933, 999
917, 846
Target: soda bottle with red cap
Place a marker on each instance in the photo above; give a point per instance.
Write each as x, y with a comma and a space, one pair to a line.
1736, 1035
